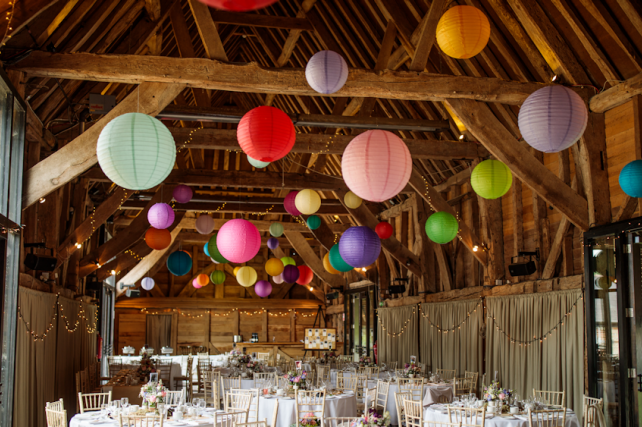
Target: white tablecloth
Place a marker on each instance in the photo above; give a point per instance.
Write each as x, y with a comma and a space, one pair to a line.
432, 393
498, 421
342, 406
85, 420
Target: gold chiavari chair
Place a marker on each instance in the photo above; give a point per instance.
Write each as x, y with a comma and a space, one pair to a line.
446, 374
58, 405
253, 412
551, 398
186, 379
414, 413
362, 386
229, 383
475, 377
400, 396
229, 419
462, 386
239, 403
416, 389
347, 384
392, 365
381, 398
212, 389
175, 398
467, 416
547, 418
138, 421
92, 401
56, 418
591, 408
264, 380
202, 365
310, 404
406, 381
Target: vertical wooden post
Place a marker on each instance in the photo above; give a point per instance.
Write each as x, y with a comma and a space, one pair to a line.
293, 326
264, 327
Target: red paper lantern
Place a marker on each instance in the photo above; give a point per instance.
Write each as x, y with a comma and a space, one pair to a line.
266, 134
305, 275
158, 239
384, 230
239, 5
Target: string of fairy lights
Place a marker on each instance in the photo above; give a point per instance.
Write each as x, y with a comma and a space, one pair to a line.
404, 328
454, 328
8, 17
229, 313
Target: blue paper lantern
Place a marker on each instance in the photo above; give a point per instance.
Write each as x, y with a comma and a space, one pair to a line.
313, 222
359, 246
179, 263
631, 178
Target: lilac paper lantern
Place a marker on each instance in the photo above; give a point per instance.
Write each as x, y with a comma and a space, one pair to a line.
288, 202
273, 243
160, 216
147, 283
263, 288
290, 273
183, 193
326, 72
278, 279
359, 246
238, 241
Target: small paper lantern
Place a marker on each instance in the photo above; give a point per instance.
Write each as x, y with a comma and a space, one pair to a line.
463, 32
278, 279
207, 251
359, 246
263, 288
238, 5
313, 222
238, 240
352, 200
631, 179
236, 270
161, 215
273, 243
274, 267
491, 179
205, 224
158, 239
147, 283
307, 202
266, 134
376, 165
202, 279
290, 274
212, 251
286, 260
326, 72
179, 263
136, 151
384, 230
337, 262
217, 277
246, 276
552, 118
289, 204
257, 163
276, 229
328, 267
305, 275
442, 227
183, 193
195, 284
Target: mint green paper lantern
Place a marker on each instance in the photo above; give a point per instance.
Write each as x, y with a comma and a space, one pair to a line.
276, 229
136, 151
313, 222
491, 179
257, 163
442, 227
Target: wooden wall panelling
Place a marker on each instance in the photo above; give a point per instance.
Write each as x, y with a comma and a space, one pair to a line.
132, 329
619, 127
222, 329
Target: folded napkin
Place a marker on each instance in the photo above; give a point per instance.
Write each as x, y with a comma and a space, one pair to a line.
521, 417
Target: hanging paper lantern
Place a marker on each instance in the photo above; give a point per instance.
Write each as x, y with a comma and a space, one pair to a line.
326, 72
376, 165
263, 288
337, 262
328, 267
212, 251
238, 240
631, 179
552, 118
238, 5
313, 222
207, 251
359, 246
273, 243
161, 215
266, 134
289, 204
214, 261
384, 230
158, 239
179, 263
276, 229
217, 277
307, 202
136, 151
202, 279
183, 193
274, 267
246, 276
442, 227
463, 32
236, 270
286, 260
147, 283
278, 279
491, 179
205, 224
290, 274
195, 284
257, 163
305, 275
352, 200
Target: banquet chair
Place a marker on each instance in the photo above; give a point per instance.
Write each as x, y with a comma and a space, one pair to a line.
202, 366
92, 401
58, 405
263, 356
132, 421
474, 376
253, 412
347, 384
446, 374
252, 424
264, 380
362, 386
416, 389
238, 402
467, 416
551, 398
175, 398
414, 413
310, 404
229, 383
371, 372
591, 408
463, 386
547, 418
164, 368
407, 381
115, 365
187, 378
392, 365
341, 421
229, 419
56, 418
400, 396
212, 389
381, 397
275, 413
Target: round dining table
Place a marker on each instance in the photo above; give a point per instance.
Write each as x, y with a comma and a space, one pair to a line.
440, 413
344, 405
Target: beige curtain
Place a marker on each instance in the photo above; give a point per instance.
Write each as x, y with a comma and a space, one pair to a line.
399, 348
556, 364
159, 331
461, 350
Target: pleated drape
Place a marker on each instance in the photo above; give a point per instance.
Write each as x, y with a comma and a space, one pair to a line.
397, 348
159, 331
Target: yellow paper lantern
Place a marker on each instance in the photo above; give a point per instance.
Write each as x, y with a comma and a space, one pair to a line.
463, 32
307, 202
246, 276
328, 267
236, 270
274, 267
352, 200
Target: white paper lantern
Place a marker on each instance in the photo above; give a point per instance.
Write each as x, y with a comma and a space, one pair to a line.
204, 224
326, 72
147, 283
136, 151
257, 163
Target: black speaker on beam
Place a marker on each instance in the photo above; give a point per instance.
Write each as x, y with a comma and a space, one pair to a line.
39, 262
522, 268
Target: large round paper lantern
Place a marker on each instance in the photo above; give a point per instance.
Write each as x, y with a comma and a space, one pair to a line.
147, 283
213, 260
207, 251
158, 239
337, 262
313, 222
202, 279
384, 230
552, 118
305, 275
491, 179
631, 178
278, 279
217, 277
179, 263
161, 215
212, 251
307, 202
205, 224
290, 274
195, 284
328, 267
274, 267
326, 72
352, 200
257, 163
136, 151
238, 240
236, 270
376, 165
276, 229
182, 193
463, 32
442, 227
266, 134
273, 243
263, 288
286, 260
246, 276
359, 246
239, 5
289, 204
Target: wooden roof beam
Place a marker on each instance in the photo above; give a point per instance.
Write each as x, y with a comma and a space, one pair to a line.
307, 254
256, 20
617, 95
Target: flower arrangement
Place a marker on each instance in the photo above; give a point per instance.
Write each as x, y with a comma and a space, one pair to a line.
411, 369
254, 366
373, 419
308, 420
146, 367
295, 379
495, 392
237, 358
328, 356
366, 361
153, 393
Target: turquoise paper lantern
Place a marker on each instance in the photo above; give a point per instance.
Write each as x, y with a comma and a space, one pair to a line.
337, 262
491, 179
631, 178
206, 250
442, 227
313, 222
179, 263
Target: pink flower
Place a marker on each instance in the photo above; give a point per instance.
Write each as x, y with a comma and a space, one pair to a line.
164, 394
502, 396
152, 399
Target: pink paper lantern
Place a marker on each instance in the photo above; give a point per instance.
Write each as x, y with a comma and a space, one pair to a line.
289, 205
195, 284
263, 288
182, 193
238, 5
376, 165
160, 216
238, 241
278, 279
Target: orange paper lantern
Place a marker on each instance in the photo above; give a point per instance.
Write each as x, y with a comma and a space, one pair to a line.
328, 267
158, 239
463, 32
202, 279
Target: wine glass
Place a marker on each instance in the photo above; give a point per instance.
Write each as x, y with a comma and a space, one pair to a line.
104, 410
124, 401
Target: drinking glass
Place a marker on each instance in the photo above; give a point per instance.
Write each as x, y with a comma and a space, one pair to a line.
104, 410
124, 401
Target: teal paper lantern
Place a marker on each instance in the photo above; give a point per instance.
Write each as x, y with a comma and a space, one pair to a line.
179, 263
136, 151
337, 262
313, 222
214, 253
491, 179
257, 163
206, 250
442, 227
631, 178
276, 229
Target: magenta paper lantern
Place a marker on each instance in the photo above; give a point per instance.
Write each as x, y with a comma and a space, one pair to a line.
183, 193
263, 288
147, 283
160, 216
205, 224
238, 241
359, 246
376, 165
290, 273
195, 284
278, 279
238, 5
288, 202
273, 243
326, 72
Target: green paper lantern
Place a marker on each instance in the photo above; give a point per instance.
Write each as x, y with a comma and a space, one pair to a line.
276, 229
337, 261
442, 227
257, 163
491, 179
217, 277
313, 222
286, 260
215, 254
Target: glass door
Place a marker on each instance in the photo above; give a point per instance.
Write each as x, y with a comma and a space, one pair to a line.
360, 322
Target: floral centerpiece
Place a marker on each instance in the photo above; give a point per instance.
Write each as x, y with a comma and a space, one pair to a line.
495, 394
308, 421
153, 393
328, 356
295, 379
366, 361
237, 358
146, 367
255, 366
373, 419
411, 370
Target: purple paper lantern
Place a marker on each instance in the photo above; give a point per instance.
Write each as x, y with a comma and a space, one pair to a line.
160, 216
278, 279
359, 246
273, 243
290, 273
263, 288
147, 283
288, 202
326, 72
183, 193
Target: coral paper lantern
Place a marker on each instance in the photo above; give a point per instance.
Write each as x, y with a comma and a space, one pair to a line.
384, 230
235, 271
136, 151
217, 277
328, 267
158, 239
552, 118
147, 283
278, 279
205, 224
182, 193
289, 204
376, 165
337, 262
179, 263
273, 243
257, 163
631, 179
290, 274
246, 276
161, 215
286, 260
239, 5
359, 246
195, 284
266, 134
238, 240
307, 202
491, 179
352, 200
276, 229
263, 288
463, 32
442, 227
313, 222
274, 267
203, 279
305, 275
326, 72
212, 251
